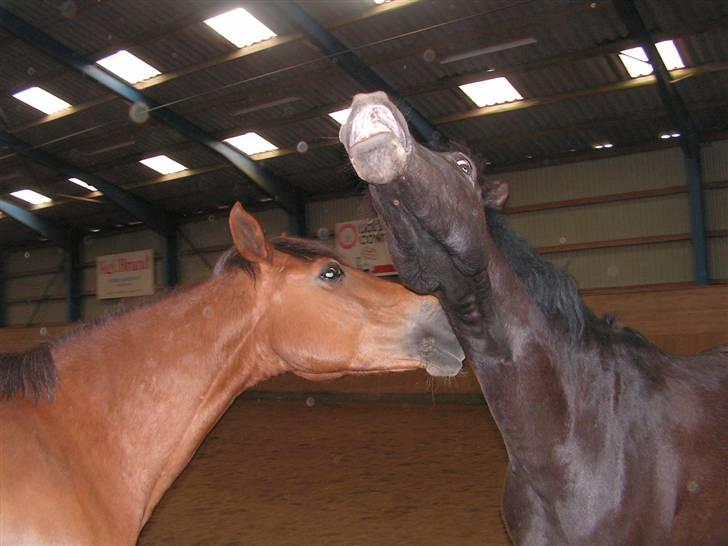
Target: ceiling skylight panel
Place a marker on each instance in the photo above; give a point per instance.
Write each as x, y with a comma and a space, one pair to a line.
251, 143
83, 184
490, 92
128, 66
670, 55
42, 100
163, 164
239, 27
30, 196
635, 59
340, 116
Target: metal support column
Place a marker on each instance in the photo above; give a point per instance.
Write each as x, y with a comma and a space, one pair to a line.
72, 278
690, 141
696, 200
171, 259
297, 225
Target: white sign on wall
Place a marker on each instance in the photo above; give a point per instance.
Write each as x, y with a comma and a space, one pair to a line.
125, 275
361, 244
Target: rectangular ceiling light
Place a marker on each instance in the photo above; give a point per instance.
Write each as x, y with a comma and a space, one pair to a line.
128, 66
251, 143
635, 59
30, 196
42, 100
239, 27
490, 92
83, 184
163, 164
340, 116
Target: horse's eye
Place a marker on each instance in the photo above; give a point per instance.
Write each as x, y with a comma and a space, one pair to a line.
465, 166
331, 273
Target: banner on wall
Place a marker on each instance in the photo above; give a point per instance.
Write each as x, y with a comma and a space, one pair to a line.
361, 244
125, 275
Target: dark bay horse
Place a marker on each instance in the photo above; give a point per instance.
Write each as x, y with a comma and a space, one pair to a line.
610, 440
94, 429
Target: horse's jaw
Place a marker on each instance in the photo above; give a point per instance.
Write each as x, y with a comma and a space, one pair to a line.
376, 138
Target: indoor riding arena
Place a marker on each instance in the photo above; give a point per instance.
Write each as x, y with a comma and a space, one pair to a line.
178, 368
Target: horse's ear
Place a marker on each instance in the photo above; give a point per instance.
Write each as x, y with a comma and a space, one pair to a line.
248, 235
495, 194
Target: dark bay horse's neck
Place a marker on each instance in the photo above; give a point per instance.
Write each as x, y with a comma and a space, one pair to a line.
143, 390
523, 311
553, 291
517, 282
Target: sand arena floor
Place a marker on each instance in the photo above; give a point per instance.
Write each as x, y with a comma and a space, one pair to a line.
321, 471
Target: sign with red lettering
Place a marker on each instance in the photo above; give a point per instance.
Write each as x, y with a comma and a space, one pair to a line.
361, 244
125, 275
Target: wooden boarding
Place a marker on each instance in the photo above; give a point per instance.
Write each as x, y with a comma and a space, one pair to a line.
678, 318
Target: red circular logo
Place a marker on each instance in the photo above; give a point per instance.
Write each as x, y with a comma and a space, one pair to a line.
347, 236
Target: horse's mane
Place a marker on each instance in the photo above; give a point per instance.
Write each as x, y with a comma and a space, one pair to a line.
33, 373
555, 291
301, 248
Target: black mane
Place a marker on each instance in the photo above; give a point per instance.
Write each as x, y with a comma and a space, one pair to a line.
555, 291
30, 373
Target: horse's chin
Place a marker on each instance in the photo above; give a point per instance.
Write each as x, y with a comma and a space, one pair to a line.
380, 159
449, 368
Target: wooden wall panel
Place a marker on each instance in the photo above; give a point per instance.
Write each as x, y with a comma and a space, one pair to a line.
20, 339
664, 311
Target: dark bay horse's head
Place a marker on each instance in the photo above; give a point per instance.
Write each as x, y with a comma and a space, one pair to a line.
323, 319
430, 201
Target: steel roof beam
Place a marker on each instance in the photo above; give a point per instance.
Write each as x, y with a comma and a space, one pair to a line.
355, 67
154, 217
68, 240
690, 141
50, 230
280, 192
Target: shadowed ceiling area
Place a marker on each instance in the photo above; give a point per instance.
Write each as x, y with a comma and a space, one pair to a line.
559, 75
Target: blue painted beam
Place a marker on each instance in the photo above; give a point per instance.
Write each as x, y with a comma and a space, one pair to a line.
51, 231
68, 240
280, 192
72, 279
355, 67
154, 217
690, 136
171, 260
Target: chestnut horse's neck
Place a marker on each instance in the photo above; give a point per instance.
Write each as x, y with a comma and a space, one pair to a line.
144, 389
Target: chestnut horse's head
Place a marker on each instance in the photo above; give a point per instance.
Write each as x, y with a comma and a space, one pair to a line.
324, 319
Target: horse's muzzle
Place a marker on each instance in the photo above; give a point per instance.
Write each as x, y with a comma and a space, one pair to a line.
436, 344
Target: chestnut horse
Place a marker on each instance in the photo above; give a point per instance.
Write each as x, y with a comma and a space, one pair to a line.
610, 440
119, 410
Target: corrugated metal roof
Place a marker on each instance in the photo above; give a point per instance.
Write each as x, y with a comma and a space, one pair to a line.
569, 69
